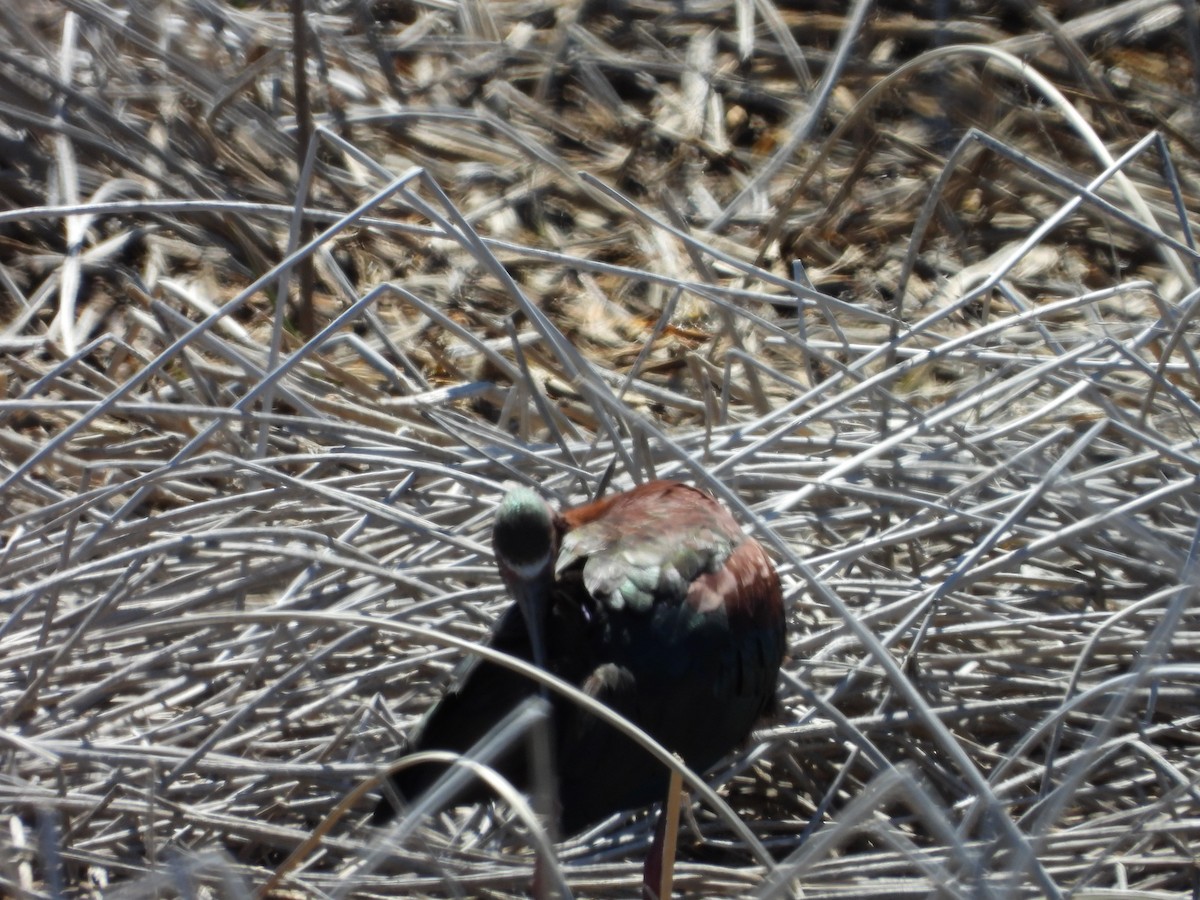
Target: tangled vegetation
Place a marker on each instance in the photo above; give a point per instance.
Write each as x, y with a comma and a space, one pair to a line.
911, 286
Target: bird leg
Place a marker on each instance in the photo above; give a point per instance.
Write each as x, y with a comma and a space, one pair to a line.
537, 887
658, 875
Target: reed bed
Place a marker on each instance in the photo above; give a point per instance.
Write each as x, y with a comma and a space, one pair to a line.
914, 295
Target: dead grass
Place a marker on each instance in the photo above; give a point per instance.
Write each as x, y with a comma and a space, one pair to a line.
916, 297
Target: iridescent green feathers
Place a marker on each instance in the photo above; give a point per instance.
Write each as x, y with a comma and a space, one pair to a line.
638, 564
648, 545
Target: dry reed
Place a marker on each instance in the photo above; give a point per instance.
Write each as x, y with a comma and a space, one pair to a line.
915, 296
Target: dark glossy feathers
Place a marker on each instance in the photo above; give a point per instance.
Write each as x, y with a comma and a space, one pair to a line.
661, 608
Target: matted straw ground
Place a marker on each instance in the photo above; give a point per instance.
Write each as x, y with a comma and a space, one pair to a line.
915, 297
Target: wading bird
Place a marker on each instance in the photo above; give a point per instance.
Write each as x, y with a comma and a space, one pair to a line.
652, 601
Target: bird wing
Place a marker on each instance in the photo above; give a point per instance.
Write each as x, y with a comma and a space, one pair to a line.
685, 624
647, 546
695, 679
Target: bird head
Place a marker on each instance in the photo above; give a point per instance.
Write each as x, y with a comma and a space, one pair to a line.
525, 541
